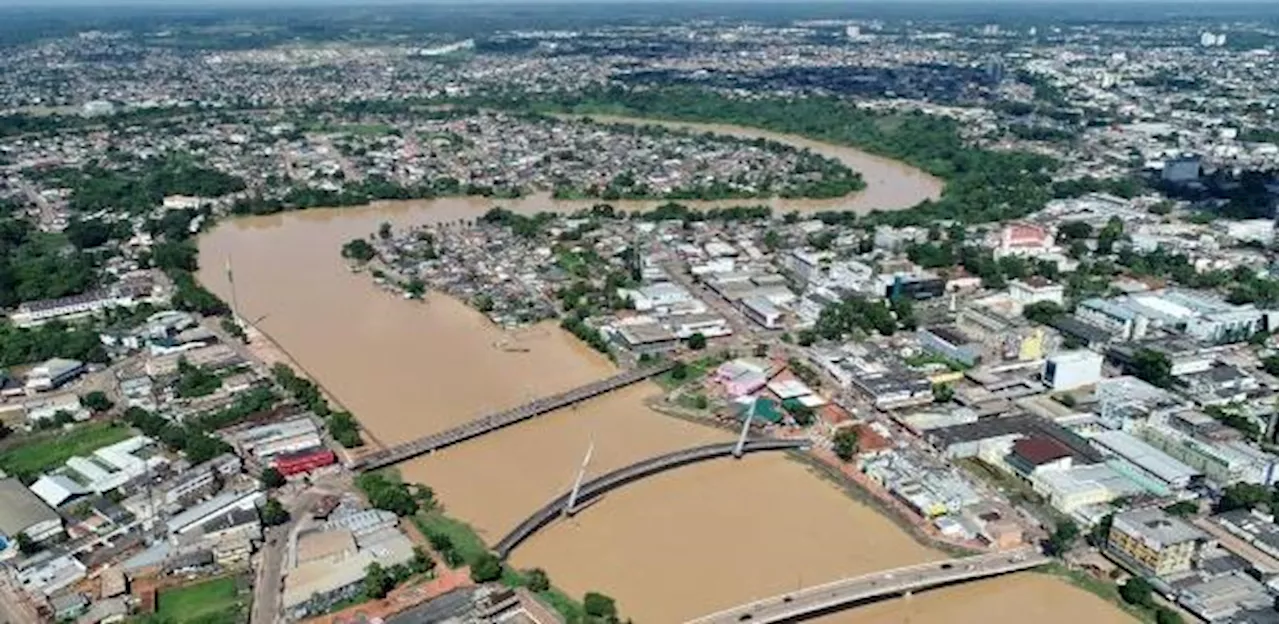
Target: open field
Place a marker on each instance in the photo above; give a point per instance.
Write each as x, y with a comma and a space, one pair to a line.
49, 450
217, 600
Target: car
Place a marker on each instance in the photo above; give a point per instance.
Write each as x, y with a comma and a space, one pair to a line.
745, 617
947, 566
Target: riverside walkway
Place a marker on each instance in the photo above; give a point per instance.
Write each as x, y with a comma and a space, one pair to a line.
845, 592
622, 476
493, 422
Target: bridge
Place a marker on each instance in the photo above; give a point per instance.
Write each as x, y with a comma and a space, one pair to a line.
567, 503
824, 598
493, 422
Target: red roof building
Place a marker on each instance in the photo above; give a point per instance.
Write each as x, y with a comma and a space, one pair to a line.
1035, 452
304, 461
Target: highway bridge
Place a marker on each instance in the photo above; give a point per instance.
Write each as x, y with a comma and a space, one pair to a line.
846, 592
589, 490
493, 422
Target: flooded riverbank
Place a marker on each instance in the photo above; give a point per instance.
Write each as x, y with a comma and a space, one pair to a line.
670, 547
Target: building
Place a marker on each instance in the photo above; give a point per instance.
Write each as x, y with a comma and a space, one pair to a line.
22, 513
663, 297
1072, 369
642, 335
34, 313
49, 572
116, 465
911, 285
1034, 454
879, 376
1036, 289
191, 485
287, 436
301, 462
46, 407
948, 342
762, 311
57, 489
211, 356
191, 518
313, 586
1181, 170
1199, 316
1222, 461
53, 373
1153, 542
1147, 460
1079, 487
1023, 239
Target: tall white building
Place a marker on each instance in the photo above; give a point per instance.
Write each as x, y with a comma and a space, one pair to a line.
1072, 369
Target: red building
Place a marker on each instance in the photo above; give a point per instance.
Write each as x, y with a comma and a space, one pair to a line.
304, 461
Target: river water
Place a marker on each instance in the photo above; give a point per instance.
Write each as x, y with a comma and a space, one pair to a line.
669, 547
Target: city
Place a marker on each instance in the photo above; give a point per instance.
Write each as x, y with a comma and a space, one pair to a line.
574, 313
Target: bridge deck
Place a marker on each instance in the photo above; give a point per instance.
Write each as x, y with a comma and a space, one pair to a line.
493, 422
622, 476
819, 598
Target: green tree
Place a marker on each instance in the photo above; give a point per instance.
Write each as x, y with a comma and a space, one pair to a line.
697, 342
271, 478
1042, 312
273, 513
943, 393
486, 567
421, 562
98, 401
845, 443
1107, 237
384, 230
1063, 537
600, 606
377, 581
537, 580
28, 546
1182, 509
1101, 531
1153, 367
1074, 230
1271, 364
1246, 496
1137, 591
1165, 615
358, 249
680, 371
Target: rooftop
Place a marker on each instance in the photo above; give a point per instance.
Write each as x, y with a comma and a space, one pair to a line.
1155, 527
20, 508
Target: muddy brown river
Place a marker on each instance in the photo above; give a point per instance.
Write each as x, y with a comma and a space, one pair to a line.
670, 547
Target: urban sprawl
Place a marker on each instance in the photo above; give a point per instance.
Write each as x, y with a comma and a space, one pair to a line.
1073, 348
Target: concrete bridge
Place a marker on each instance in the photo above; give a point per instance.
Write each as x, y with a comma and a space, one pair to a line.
843, 593
493, 422
584, 492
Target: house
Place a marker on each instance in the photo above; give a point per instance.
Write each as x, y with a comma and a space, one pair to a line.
68, 606
46, 407
49, 572
1035, 289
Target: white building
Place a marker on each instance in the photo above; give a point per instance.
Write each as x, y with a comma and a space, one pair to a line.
1072, 369
115, 465
1036, 289
762, 311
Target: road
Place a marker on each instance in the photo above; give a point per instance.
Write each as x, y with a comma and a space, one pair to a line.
819, 598
269, 582
15, 607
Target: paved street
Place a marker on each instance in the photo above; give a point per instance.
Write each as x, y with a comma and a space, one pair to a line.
269, 581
